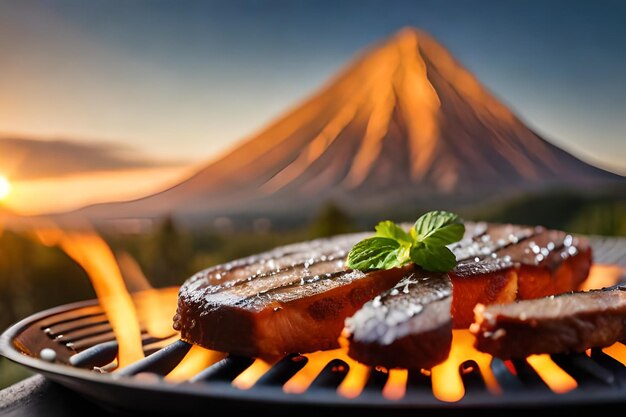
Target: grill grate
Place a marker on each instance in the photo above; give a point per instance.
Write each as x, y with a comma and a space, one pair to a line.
86, 352
599, 376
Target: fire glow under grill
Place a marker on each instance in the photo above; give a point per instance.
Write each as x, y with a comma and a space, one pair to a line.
85, 338
84, 343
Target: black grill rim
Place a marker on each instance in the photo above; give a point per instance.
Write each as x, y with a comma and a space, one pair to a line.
136, 393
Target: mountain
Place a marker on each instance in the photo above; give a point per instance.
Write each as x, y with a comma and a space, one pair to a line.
403, 123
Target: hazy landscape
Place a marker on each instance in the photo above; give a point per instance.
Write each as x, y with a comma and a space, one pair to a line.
402, 126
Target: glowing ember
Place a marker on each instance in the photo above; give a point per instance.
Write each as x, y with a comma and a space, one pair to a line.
446, 379
317, 361
350, 387
617, 351
355, 381
557, 379
250, 376
92, 253
395, 388
196, 360
602, 276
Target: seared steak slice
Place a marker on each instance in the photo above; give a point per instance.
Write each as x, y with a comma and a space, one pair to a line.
555, 324
486, 281
292, 299
408, 326
494, 261
550, 262
540, 261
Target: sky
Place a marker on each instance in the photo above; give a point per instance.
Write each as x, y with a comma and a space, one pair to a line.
180, 82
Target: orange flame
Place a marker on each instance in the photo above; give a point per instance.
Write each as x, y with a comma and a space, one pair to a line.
196, 360
350, 387
446, 379
92, 253
602, 276
155, 308
617, 351
250, 376
395, 388
556, 378
301, 381
356, 379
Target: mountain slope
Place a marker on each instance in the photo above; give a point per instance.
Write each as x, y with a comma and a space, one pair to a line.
403, 122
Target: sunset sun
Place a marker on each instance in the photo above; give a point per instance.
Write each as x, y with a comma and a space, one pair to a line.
5, 187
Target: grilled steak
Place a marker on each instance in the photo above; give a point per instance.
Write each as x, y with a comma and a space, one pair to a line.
408, 326
497, 264
297, 297
292, 299
546, 262
555, 324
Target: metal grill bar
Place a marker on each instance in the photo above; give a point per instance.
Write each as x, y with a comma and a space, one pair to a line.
471, 377
584, 370
376, 381
161, 362
528, 376
98, 355
507, 381
70, 316
331, 376
93, 340
225, 370
80, 323
83, 333
608, 362
418, 382
283, 370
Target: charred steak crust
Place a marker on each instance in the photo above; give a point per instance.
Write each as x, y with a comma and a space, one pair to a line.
571, 322
495, 262
291, 299
296, 298
407, 326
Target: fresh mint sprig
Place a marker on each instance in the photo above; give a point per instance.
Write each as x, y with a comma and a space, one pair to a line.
425, 244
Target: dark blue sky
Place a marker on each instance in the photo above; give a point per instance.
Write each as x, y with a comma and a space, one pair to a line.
185, 79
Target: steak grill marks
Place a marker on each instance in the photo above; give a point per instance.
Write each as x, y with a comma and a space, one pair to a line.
302, 265
570, 322
307, 285
415, 330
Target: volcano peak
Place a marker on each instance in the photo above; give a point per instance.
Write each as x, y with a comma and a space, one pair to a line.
403, 122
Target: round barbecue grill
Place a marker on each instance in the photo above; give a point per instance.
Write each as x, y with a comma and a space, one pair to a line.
85, 352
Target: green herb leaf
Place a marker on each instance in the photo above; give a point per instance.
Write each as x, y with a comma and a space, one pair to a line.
439, 228
391, 230
424, 244
375, 253
433, 258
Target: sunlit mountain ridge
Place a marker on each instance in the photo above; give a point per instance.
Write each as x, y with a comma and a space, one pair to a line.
404, 122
